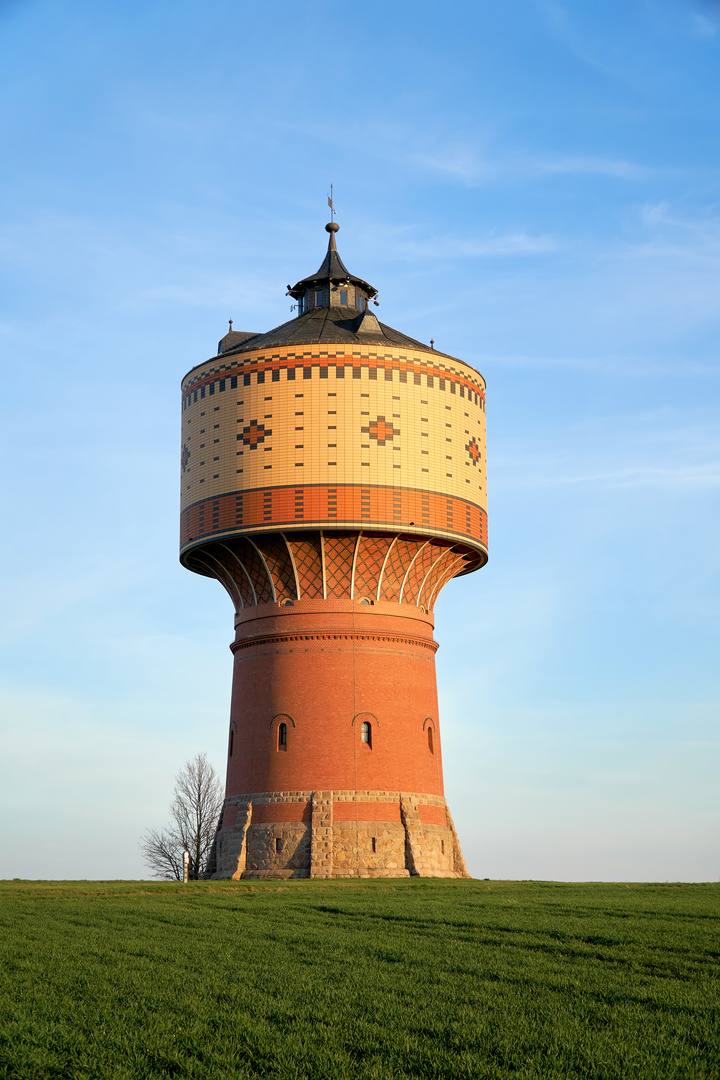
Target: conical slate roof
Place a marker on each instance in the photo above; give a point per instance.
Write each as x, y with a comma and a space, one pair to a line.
326, 322
331, 326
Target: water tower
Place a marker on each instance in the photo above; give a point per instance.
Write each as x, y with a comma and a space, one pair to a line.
333, 480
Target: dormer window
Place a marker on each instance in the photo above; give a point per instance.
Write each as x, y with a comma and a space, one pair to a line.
343, 298
318, 297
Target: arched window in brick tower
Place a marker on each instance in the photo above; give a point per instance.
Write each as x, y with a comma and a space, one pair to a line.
279, 727
232, 740
366, 721
428, 726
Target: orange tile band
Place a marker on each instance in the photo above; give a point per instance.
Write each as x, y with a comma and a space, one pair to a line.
343, 506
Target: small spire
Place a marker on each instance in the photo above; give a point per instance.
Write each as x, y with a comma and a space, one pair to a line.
230, 330
332, 227
432, 343
332, 272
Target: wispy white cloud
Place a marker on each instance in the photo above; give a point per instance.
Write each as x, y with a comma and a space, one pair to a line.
554, 472
704, 225
489, 245
460, 157
210, 291
589, 165
644, 476
463, 162
513, 243
611, 365
704, 26
472, 156
639, 451
568, 33
643, 303
456, 160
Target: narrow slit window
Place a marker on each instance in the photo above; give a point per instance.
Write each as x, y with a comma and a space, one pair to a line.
278, 844
282, 736
366, 733
373, 843
430, 741
232, 740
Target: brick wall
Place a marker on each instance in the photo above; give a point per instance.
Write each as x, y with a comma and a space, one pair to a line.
337, 834
323, 668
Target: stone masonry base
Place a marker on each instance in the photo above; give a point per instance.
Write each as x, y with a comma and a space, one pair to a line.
337, 834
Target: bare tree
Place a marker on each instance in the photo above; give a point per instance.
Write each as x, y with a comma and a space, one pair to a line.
194, 811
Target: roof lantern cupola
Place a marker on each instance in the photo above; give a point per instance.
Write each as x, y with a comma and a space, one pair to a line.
333, 286
331, 306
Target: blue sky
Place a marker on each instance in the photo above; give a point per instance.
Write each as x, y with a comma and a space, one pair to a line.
536, 186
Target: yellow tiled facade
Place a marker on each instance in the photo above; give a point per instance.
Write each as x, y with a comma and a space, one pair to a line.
361, 426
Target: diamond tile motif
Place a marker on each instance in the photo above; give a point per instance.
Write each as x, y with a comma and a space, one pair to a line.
339, 552
436, 572
250, 559
211, 558
369, 564
454, 566
306, 554
225, 554
422, 563
396, 567
277, 557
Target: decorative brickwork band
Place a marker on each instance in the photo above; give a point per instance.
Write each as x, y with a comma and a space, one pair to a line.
424, 370
358, 636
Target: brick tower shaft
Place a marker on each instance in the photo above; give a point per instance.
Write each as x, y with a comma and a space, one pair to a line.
333, 482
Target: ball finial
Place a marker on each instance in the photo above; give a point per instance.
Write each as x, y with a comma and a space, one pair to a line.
332, 226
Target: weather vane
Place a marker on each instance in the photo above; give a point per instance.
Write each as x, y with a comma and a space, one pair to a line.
330, 204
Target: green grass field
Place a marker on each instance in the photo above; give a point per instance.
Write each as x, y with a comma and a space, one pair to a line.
316, 979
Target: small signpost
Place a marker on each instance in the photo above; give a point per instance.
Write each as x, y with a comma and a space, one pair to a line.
186, 865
